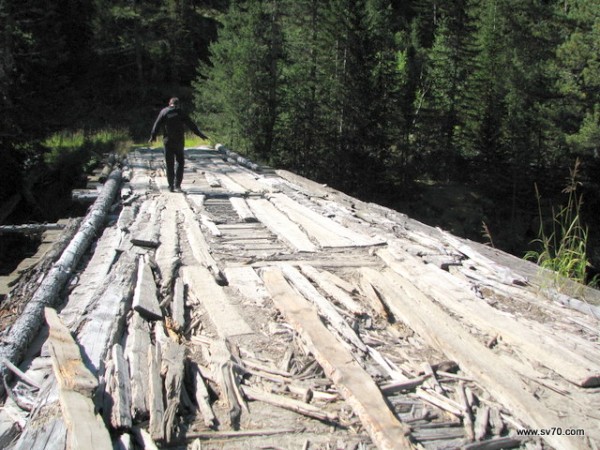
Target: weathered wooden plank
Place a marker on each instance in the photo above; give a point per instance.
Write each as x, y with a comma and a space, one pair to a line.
103, 324
581, 369
339, 295
327, 232
29, 322
178, 305
145, 298
281, 225
172, 367
198, 244
326, 309
119, 387
167, 258
222, 312
355, 385
242, 209
146, 230
248, 283
441, 331
76, 385
203, 399
155, 394
136, 348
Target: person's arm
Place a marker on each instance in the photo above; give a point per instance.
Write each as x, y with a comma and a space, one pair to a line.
157, 125
192, 126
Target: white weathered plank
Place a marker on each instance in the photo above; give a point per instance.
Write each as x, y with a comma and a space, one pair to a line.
155, 394
441, 331
580, 369
242, 209
145, 298
119, 387
248, 283
136, 348
355, 385
327, 232
222, 312
281, 225
76, 385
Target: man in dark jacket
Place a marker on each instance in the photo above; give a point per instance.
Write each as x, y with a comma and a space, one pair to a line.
171, 121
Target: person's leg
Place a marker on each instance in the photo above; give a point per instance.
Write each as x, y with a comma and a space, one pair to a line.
179, 156
170, 161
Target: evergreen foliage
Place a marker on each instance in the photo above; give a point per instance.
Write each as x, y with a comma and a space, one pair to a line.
371, 96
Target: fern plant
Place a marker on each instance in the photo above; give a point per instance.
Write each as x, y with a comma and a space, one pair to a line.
564, 246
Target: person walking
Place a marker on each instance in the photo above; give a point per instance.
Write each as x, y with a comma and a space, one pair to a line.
172, 121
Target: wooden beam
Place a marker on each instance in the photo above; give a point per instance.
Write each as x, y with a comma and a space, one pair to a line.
76, 384
351, 380
441, 331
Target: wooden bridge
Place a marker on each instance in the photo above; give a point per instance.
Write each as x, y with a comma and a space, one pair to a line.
258, 309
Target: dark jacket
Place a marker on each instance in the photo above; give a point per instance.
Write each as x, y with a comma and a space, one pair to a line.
172, 121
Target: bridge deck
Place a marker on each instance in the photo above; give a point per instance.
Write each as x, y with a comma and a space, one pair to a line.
290, 315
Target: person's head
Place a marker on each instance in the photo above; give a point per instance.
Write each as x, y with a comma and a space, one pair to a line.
174, 101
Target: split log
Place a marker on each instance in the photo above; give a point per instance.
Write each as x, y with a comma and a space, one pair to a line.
199, 246
242, 209
48, 294
339, 295
120, 390
178, 305
481, 422
172, 366
223, 314
289, 404
325, 308
145, 298
355, 385
287, 230
146, 230
441, 331
223, 367
155, 394
136, 348
583, 370
32, 228
403, 385
167, 258
76, 385
203, 398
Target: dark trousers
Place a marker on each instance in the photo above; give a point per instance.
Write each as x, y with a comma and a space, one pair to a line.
174, 153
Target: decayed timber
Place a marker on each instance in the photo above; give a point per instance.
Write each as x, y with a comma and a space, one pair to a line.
203, 399
223, 314
166, 257
242, 209
172, 366
28, 324
325, 308
281, 225
146, 230
145, 299
355, 385
118, 385
325, 231
411, 306
76, 384
30, 228
578, 369
155, 394
136, 348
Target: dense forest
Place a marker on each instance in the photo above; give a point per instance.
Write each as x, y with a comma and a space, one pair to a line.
389, 100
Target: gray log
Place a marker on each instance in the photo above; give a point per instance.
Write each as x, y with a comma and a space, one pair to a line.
27, 326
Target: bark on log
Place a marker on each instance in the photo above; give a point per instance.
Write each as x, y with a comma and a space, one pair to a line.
48, 294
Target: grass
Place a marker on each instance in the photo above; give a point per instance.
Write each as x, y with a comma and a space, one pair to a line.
85, 148
563, 247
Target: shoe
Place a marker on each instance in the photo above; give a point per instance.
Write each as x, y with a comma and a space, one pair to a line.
171, 189
178, 189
